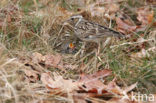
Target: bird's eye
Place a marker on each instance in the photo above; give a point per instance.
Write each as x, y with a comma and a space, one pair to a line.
72, 18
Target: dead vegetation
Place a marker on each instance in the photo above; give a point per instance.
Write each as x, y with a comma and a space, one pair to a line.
38, 54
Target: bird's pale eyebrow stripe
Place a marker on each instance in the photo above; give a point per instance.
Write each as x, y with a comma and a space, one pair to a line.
78, 16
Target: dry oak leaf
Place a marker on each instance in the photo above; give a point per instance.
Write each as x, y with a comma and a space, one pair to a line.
97, 10
145, 16
111, 10
49, 60
69, 85
125, 25
153, 2
32, 75
37, 57
92, 82
54, 60
80, 98
115, 89
58, 82
65, 12
87, 83
144, 53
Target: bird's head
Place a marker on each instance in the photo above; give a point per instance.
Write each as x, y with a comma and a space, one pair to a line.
73, 20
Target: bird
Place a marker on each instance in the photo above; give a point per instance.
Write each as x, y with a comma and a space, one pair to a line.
68, 47
88, 31
67, 44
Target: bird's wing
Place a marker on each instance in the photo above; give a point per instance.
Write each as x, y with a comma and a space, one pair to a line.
96, 33
105, 31
91, 33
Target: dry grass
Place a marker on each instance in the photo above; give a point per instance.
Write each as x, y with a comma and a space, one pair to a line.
36, 26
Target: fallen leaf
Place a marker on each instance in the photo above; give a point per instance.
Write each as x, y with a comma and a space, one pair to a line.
125, 25
114, 7
86, 84
48, 60
64, 11
145, 15
80, 97
37, 57
111, 88
32, 75
58, 82
111, 12
152, 49
92, 82
153, 2
54, 61
96, 75
102, 9
143, 53
95, 10
131, 87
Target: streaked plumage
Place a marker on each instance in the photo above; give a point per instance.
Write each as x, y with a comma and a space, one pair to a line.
89, 31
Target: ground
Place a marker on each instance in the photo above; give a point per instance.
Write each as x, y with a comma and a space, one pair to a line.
38, 53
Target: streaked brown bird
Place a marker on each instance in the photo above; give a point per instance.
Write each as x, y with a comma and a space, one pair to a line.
89, 31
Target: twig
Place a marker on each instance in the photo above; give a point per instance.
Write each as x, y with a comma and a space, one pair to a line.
58, 35
130, 43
